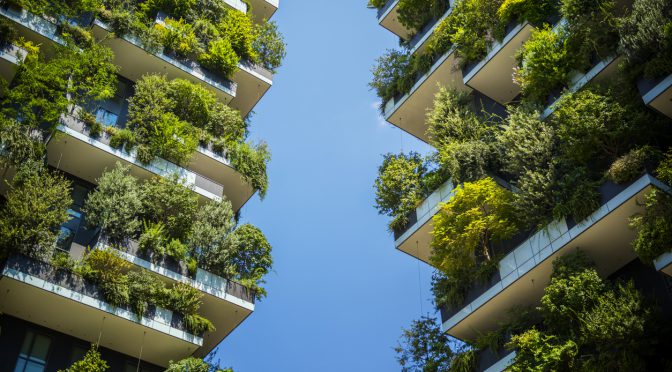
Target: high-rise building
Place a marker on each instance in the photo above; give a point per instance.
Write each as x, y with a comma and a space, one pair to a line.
161, 92
484, 82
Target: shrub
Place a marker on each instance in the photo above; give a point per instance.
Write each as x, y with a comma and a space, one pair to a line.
269, 46
197, 324
239, 31
92, 362
153, 238
36, 206
473, 25
170, 202
115, 204
535, 12
250, 257
122, 139
143, 289
592, 26
466, 161
190, 364
664, 169
544, 64
402, 184
414, 14
576, 194
226, 123
19, 143
646, 36
478, 214
213, 223
388, 73
62, 260
179, 37
631, 165
7, 32
653, 226
183, 298
250, 161
454, 118
106, 268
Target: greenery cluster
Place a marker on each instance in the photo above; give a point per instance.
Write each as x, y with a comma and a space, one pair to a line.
136, 289
34, 208
199, 30
588, 33
170, 118
164, 217
478, 215
469, 30
590, 324
424, 347
404, 180
92, 362
192, 364
646, 37
414, 14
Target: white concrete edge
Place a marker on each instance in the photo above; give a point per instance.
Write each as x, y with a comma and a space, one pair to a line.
157, 323
503, 363
656, 91
494, 50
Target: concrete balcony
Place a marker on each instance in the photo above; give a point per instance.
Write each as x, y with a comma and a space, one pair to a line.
389, 18
492, 76
252, 81
602, 71
408, 112
226, 303
658, 94
263, 9
664, 263
74, 151
416, 237
524, 273
10, 58
38, 29
134, 62
37, 292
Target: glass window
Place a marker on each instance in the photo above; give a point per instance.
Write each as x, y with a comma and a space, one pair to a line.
68, 230
106, 117
34, 350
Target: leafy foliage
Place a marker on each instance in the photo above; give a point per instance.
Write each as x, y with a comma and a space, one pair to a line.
632, 164
36, 205
414, 14
92, 362
424, 347
654, 226
532, 11
115, 204
478, 214
646, 36
170, 202
403, 181
192, 364
269, 46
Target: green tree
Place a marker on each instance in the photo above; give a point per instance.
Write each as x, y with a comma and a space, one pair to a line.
250, 257
208, 240
36, 206
269, 46
250, 161
115, 205
653, 226
92, 362
169, 201
424, 347
646, 37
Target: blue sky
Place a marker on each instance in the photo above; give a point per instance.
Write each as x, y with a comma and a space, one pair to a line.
340, 293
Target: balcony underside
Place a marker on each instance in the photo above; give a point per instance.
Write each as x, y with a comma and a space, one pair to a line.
33, 28
263, 9
75, 314
220, 305
252, 84
417, 238
10, 57
660, 97
134, 62
389, 18
493, 75
409, 112
605, 236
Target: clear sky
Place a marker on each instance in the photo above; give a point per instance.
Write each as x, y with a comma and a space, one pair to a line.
340, 293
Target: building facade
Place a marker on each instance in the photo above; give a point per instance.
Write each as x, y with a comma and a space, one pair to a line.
180, 79
490, 53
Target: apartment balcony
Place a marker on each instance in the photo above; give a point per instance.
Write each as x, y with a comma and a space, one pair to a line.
73, 150
664, 263
600, 72
408, 111
262, 9
389, 18
252, 81
225, 303
10, 58
134, 62
492, 76
658, 94
35, 28
39, 293
524, 273
415, 237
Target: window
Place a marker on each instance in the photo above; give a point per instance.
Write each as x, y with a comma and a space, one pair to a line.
68, 230
106, 117
34, 350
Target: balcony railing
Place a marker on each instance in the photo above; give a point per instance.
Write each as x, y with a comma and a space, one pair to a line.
203, 280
